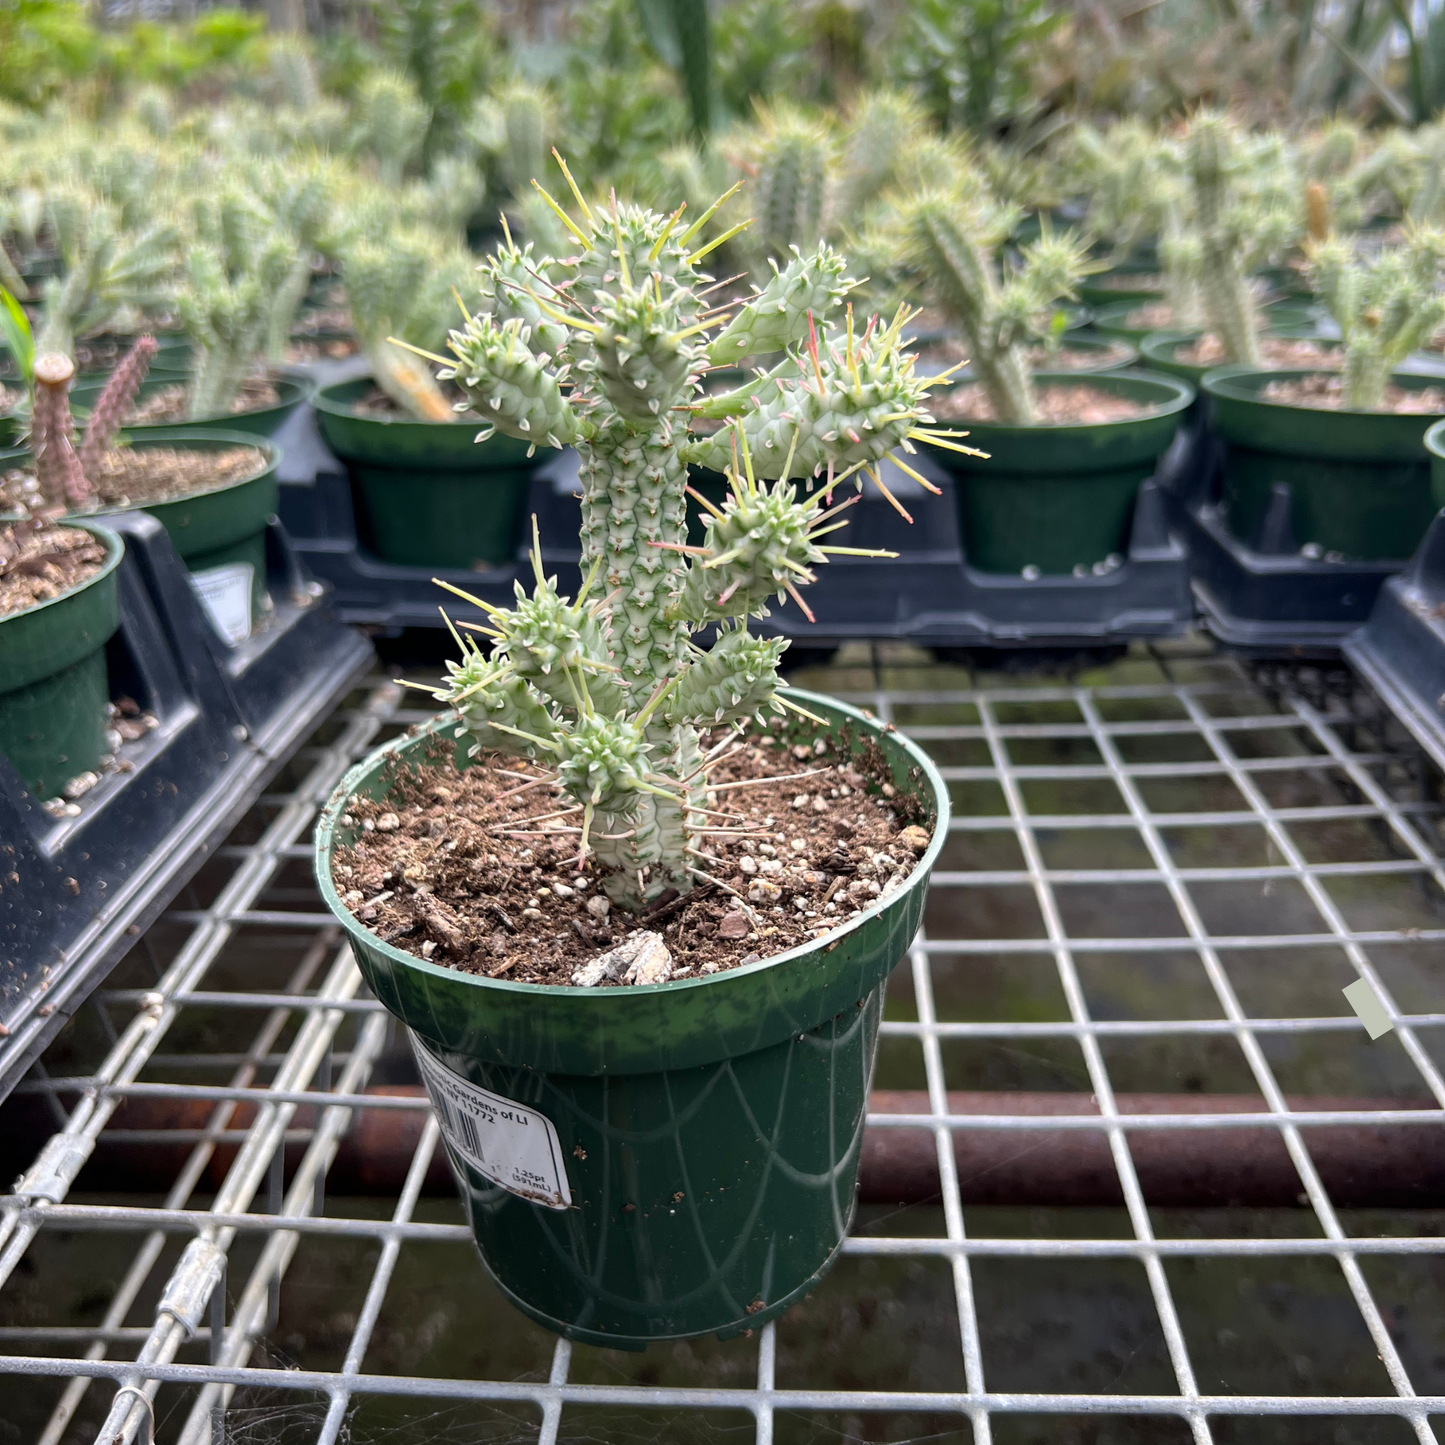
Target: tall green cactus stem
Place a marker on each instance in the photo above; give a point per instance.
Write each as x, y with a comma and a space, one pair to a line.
1228, 302
304, 206
604, 350
1385, 308
790, 161
950, 241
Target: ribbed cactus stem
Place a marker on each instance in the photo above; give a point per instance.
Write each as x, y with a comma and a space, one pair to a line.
52, 435
1229, 304
114, 402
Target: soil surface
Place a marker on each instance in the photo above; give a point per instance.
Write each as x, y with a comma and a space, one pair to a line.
333, 348
1077, 404
447, 868
101, 353
139, 476
1327, 393
39, 559
1281, 351
172, 403
940, 357
311, 324
1156, 316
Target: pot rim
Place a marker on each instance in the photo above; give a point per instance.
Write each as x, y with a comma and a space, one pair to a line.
281, 378
330, 815
1182, 397
1435, 439
115, 550
1217, 379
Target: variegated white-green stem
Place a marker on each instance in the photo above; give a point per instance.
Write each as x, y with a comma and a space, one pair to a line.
605, 350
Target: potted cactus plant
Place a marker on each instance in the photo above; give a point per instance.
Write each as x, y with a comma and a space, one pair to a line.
213, 491
1067, 451
426, 494
1347, 443
665, 1040
239, 265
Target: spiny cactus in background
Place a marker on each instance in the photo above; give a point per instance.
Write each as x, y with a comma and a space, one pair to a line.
1245, 213
1386, 307
609, 689
949, 244
1130, 177
235, 266
1427, 205
391, 125
789, 160
290, 73
453, 194
510, 132
883, 128
400, 286
303, 204
110, 275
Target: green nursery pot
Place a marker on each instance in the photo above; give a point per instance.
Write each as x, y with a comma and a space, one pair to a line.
1061, 496
428, 493
222, 526
54, 684
706, 1131
1131, 282
261, 421
1117, 320
1435, 445
1359, 480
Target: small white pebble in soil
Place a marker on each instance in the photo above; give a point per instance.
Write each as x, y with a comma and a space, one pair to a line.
800, 904
844, 791
820, 804
710, 967
388, 823
802, 751
368, 825
598, 906
761, 891
544, 893
915, 838
801, 801
799, 845
889, 791
748, 866
428, 948
531, 913
830, 908
352, 897
769, 866
562, 891
767, 849
820, 747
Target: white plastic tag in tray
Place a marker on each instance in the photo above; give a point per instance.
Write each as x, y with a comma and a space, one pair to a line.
225, 593
504, 1141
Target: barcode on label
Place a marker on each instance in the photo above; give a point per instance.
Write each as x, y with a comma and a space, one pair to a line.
504, 1141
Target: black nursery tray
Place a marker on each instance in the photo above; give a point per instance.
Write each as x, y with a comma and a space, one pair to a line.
1266, 598
927, 595
76, 890
1400, 651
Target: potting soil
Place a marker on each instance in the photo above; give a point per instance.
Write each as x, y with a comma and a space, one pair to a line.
475, 870
1327, 393
172, 403
1079, 405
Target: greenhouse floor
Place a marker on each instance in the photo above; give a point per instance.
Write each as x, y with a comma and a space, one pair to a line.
1162, 873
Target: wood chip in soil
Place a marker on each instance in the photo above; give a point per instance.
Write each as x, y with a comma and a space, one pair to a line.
1072, 404
1327, 393
172, 402
39, 560
451, 869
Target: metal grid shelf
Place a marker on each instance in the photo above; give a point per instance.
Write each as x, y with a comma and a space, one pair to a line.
1159, 879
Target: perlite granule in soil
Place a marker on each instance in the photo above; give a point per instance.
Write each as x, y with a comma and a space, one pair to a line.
476, 870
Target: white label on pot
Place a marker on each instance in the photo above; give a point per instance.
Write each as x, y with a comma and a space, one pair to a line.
504, 1141
225, 593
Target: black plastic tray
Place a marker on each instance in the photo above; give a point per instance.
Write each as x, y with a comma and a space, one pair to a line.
1400, 651
928, 595
75, 891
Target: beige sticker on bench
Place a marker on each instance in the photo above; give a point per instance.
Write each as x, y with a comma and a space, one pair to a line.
1366, 1003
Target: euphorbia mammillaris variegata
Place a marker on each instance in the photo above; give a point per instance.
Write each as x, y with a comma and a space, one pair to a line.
604, 351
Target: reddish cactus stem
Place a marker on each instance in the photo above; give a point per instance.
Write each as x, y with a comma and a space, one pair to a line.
114, 402
52, 444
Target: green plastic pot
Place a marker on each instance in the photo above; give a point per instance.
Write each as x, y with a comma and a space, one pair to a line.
54, 684
1359, 480
708, 1130
1103, 361
261, 421
215, 528
427, 493
1061, 496
1133, 281
1115, 320
1160, 348
1435, 445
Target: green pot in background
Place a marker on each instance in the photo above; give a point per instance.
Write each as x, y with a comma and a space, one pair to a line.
1359, 480
1116, 320
1160, 351
222, 527
1435, 445
1132, 281
707, 1130
427, 493
261, 421
54, 685
1060, 496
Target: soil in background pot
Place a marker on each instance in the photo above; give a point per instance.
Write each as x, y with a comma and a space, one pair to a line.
40, 560
473, 869
171, 403
140, 477
1327, 393
1078, 405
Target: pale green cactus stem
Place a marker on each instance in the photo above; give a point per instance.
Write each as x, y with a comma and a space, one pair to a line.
108, 271
391, 125
604, 351
305, 205
790, 160
950, 242
1386, 307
